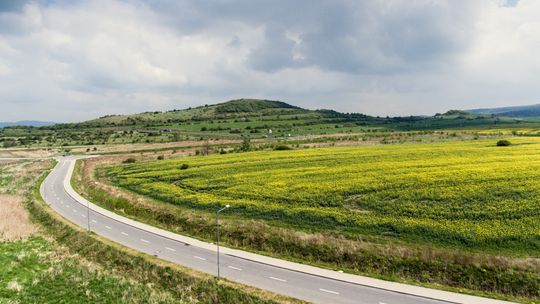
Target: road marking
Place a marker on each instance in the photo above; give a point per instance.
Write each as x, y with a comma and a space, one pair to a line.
83, 215
170, 249
199, 258
144, 241
278, 279
108, 227
94, 221
329, 291
235, 268
382, 303
124, 233
74, 210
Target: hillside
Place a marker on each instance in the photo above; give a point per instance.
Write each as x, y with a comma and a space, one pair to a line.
517, 111
238, 108
235, 119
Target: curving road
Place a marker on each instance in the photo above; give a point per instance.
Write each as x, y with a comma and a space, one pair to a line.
296, 280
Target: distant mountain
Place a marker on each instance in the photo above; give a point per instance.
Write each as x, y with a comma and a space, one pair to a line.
238, 108
517, 111
26, 123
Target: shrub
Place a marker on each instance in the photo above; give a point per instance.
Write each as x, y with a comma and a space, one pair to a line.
9, 143
130, 160
282, 148
161, 157
503, 143
184, 166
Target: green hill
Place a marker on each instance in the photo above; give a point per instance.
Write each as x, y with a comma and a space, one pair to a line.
239, 108
235, 119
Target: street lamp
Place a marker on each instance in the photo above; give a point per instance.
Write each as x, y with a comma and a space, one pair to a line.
217, 236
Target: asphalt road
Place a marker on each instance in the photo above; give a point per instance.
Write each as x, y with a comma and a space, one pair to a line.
299, 285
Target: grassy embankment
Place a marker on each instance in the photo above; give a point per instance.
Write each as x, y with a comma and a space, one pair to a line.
452, 215
62, 263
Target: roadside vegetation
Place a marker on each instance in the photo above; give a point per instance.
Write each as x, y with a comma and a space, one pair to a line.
36, 269
45, 259
429, 213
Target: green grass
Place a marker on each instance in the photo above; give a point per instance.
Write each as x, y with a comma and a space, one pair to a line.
33, 271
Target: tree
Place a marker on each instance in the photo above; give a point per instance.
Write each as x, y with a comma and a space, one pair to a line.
205, 148
177, 136
246, 145
503, 143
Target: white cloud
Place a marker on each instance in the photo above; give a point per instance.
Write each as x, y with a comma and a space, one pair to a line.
81, 60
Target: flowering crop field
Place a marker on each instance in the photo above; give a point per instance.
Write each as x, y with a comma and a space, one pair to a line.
471, 194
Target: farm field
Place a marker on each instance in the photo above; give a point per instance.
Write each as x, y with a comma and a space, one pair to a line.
469, 194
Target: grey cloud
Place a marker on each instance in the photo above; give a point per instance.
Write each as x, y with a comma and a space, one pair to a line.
347, 36
11, 5
274, 54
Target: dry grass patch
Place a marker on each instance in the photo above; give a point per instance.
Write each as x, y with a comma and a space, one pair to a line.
14, 222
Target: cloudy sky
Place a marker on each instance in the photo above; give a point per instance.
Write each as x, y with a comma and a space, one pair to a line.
67, 60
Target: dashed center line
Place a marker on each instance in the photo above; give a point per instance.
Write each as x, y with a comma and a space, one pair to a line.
144, 241
123, 233
235, 268
170, 249
199, 258
329, 291
108, 227
278, 279
83, 215
74, 210
94, 221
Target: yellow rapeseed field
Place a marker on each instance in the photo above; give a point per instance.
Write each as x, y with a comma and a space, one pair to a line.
469, 193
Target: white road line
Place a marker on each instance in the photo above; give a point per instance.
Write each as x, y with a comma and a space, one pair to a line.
74, 210
382, 303
278, 279
94, 221
235, 268
329, 291
124, 233
170, 249
108, 227
199, 258
144, 241
83, 215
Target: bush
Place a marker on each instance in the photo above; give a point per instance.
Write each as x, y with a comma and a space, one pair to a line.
161, 157
282, 148
503, 143
9, 143
130, 160
184, 167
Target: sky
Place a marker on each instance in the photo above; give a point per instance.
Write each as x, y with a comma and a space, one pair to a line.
73, 60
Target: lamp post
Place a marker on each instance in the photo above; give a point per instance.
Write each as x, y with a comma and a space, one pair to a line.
217, 236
